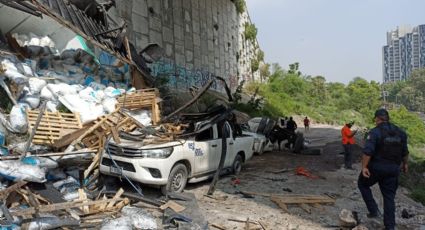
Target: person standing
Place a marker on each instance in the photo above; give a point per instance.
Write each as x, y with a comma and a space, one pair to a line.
384, 152
306, 124
291, 125
348, 143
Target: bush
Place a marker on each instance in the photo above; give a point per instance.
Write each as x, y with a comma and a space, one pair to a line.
240, 6
250, 32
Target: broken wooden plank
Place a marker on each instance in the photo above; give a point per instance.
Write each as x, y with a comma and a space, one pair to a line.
279, 203
263, 225
117, 195
305, 208
173, 205
218, 226
4, 193
83, 196
60, 206
115, 135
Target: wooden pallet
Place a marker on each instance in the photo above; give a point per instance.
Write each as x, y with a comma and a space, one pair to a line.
144, 98
52, 126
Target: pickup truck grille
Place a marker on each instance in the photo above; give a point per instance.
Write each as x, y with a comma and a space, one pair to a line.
124, 165
123, 151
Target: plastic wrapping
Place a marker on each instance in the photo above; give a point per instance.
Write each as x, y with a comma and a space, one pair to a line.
109, 105
142, 116
122, 223
51, 222
36, 85
12, 72
43, 162
17, 171
140, 219
18, 120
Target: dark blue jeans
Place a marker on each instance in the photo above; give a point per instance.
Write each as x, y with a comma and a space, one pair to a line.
386, 175
348, 155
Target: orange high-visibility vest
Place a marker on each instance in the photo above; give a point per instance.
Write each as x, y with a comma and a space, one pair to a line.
347, 136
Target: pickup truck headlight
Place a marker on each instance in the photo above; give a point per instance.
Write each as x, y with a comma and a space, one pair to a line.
157, 153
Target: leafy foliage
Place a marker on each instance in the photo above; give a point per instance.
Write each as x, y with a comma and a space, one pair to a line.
410, 93
255, 65
250, 32
240, 5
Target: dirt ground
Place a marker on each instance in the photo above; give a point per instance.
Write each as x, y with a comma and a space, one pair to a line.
257, 176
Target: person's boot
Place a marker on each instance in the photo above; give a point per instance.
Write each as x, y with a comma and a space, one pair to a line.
378, 214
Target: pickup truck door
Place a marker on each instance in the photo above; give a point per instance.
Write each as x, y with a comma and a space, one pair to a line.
205, 149
230, 155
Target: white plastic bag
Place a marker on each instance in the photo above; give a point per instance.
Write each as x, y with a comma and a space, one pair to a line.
32, 100
112, 92
46, 94
42, 162
142, 116
12, 72
51, 106
122, 223
140, 219
36, 85
109, 104
18, 119
18, 171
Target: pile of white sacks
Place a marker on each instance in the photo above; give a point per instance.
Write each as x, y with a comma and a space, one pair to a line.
73, 79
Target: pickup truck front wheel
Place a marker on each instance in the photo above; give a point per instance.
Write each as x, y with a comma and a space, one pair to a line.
237, 164
177, 179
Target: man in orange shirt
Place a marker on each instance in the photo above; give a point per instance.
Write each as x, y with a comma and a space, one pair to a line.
348, 142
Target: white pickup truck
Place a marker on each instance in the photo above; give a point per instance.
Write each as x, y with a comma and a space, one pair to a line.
171, 165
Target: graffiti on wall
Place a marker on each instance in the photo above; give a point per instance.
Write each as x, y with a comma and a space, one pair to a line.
180, 77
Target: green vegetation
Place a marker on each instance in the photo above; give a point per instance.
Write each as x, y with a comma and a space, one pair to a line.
240, 5
289, 92
250, 32
408, 93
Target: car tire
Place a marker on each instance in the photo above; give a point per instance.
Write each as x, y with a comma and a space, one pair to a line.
177, 179
237, 165
299, 143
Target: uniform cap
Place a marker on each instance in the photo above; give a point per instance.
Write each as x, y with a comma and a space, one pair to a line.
382, 113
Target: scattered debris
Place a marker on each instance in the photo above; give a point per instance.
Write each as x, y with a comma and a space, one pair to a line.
348, 218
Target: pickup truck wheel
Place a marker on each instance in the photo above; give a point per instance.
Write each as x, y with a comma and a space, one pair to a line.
237, 165
177, 179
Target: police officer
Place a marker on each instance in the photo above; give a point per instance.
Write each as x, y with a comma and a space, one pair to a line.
384, 152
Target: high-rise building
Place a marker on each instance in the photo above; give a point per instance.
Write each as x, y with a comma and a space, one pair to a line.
404, 52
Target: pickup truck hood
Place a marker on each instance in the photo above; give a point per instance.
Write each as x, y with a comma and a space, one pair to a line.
140, 145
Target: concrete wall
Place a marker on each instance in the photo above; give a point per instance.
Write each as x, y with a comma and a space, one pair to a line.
201, 38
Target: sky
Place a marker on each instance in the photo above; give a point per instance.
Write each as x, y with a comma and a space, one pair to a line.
337, 39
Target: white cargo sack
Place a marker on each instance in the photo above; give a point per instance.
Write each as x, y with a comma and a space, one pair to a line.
36, 85
18, 171
109, 104
140, 219
122, 223
32, 100
18, 119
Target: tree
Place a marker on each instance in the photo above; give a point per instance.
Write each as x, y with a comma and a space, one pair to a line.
364, 96
265, 71
293, 69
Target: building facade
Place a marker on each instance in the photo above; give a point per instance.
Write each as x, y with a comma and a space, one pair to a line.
201, 39
404, 52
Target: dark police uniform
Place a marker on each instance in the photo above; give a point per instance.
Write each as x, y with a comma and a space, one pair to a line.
387, 146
